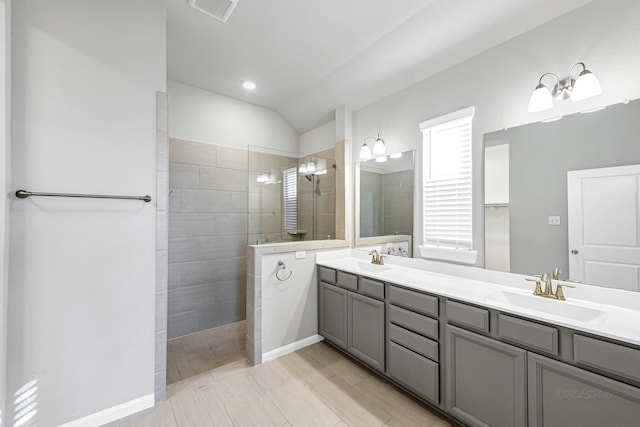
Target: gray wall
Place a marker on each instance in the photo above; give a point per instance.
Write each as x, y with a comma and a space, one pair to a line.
540, 154
207, 236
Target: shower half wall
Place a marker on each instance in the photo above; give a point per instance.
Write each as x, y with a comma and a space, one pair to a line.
207, 236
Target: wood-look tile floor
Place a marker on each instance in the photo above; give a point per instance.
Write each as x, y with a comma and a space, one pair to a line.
200, 352
315, 386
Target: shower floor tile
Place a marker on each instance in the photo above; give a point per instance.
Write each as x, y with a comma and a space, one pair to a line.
203, 351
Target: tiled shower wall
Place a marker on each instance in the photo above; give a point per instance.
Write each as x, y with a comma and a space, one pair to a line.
386, 203
398, 202
207, 236
371, 204
319, 194
265, 199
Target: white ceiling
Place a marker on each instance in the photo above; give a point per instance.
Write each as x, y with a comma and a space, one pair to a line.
308, 57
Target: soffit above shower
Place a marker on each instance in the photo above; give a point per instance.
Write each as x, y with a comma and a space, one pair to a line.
307, 57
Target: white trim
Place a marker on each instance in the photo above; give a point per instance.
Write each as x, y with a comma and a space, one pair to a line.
462, 256
465, 112
114, 413
290, 348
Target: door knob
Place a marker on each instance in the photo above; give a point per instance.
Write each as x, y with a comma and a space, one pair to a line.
574, 251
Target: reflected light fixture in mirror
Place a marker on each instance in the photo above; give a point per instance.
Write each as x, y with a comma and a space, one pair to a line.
378, 147
381, 159
311, 167
586, 85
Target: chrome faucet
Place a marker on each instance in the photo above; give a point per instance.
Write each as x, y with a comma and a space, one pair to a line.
376, 257
548, 286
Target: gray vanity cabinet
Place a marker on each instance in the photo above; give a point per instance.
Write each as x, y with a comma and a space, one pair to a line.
485, 380
351, 315
481, 366
366, 329
332, 314
566, 396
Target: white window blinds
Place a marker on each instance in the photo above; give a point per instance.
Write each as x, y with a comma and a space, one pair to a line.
290, 198
447, 180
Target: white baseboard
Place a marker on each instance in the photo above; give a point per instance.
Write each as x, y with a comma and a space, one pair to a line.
114, 413
290, 348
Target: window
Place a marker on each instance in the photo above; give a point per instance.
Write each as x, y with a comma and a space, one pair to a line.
447, 184
290, 198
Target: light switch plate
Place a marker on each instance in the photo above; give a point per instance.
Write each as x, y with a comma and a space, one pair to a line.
301, 254
554, 220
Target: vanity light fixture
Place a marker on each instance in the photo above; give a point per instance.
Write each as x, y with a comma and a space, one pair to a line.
378, 147
311, 167
365, 152
381, 159
302, 168
396, 156
263, 177
586, 85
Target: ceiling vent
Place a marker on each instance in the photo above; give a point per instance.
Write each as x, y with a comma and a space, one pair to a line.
219, 9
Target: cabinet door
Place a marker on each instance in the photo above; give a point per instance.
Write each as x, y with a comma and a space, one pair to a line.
485, 380
333, 314
565, 396
366, 330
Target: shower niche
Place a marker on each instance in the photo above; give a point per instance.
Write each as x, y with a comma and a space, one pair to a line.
290, 198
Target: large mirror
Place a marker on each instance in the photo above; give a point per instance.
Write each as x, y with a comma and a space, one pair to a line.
384, 203
566, 194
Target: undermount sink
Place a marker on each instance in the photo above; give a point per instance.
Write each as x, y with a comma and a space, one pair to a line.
547, 306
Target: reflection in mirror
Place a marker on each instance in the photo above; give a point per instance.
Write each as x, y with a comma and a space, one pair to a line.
384, 203
290, 198
556, 195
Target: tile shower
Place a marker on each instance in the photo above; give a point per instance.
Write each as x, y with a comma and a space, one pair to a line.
207, 236
220, 200
386, 203
287, 202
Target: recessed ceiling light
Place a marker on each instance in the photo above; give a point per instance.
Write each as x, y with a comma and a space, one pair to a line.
248, 85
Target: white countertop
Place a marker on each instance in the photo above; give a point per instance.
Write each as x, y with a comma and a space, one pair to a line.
620, 318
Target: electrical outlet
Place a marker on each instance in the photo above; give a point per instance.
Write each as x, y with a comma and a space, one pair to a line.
301, 254
554, 220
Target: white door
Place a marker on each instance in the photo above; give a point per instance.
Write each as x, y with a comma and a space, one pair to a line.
604, 226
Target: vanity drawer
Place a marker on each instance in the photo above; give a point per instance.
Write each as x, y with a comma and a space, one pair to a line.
421, 345
413, 321
425, 304
415, 372
468, 315
372, 288
614, 358
347, 281
328, 275
528, 334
